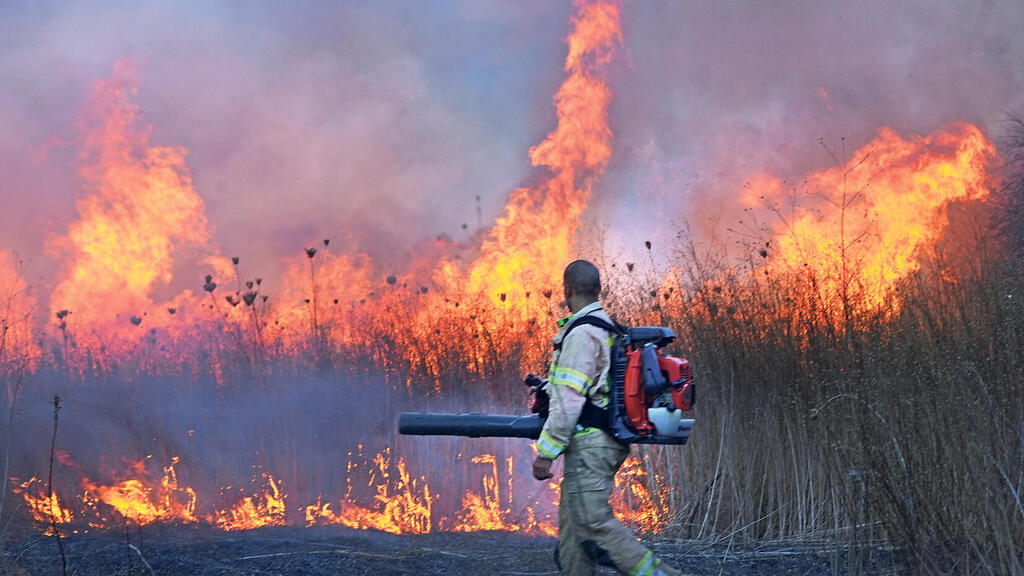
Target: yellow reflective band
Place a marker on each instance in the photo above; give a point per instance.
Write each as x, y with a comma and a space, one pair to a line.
547, 447
564, 321
586, 432
574, 379
609, 340
645, 567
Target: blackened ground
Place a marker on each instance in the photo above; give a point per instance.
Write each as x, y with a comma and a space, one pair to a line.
328, 550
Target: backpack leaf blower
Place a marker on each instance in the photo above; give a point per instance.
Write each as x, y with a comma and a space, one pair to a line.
649, 391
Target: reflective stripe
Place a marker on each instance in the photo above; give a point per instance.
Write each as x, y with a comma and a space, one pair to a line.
609, 340
547, 447
574, 379
645, 567
580, 431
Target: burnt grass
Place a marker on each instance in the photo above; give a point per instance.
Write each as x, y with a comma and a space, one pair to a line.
177, 550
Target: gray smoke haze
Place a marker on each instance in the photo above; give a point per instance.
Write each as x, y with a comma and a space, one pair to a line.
378, 124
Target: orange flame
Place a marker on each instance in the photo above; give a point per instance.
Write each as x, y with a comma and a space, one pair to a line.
139, 208
136, 499
45, 511
485, 512
399, 506
868, 221
319, 297
633, 501
531, 243
266, 509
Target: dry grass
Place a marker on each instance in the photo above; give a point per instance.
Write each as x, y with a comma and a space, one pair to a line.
818, 419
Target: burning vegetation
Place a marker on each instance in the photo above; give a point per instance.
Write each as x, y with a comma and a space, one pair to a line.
862, 364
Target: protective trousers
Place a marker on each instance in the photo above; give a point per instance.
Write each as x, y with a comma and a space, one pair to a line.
587, 528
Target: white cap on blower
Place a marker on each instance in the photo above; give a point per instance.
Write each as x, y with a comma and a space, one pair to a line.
669, 422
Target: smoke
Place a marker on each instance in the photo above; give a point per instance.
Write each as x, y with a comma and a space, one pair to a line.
379, 126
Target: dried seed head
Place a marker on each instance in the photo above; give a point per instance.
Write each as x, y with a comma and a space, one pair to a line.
234, 260
310, 252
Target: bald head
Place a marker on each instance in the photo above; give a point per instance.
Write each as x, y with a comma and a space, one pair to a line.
583, 279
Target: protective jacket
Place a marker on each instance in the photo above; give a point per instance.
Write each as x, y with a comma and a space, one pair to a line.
578, 374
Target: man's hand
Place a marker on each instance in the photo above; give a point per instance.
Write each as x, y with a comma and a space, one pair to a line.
542, 468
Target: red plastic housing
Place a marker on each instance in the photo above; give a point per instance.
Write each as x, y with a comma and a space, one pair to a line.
676, 370
679, 376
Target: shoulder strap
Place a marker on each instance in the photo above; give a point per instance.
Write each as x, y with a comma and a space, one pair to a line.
591, 416
614, 328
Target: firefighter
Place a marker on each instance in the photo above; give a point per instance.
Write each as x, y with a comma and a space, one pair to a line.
588, 532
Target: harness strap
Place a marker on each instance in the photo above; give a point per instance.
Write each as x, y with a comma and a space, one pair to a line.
614, 328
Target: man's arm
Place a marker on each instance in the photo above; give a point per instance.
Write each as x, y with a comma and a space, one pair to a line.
568, 384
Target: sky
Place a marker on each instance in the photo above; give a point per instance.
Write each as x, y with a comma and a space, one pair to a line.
380, 124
